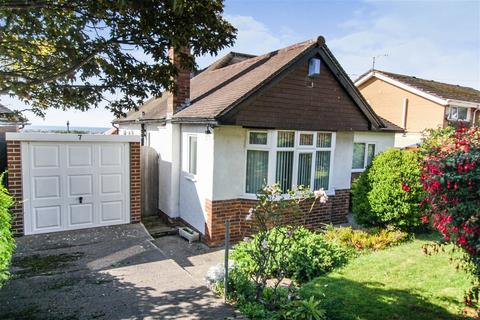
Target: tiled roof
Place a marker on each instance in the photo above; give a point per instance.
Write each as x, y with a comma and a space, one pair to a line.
390, 126
222, 83
4, 110
438, 89
233, 78
231, 83
152, 109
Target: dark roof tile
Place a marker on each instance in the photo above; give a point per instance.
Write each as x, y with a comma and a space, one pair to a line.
438, 89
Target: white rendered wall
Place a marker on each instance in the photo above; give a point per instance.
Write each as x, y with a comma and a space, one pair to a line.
195, 189
342, 161
407, 139
229, 163
382, 140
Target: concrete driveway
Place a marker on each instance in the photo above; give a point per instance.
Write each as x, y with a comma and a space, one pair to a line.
107, 273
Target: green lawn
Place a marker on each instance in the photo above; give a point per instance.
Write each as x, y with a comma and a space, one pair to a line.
396, 283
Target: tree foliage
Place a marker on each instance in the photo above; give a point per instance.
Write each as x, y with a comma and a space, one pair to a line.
77, 54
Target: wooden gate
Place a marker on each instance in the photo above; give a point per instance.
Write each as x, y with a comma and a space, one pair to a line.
149, 171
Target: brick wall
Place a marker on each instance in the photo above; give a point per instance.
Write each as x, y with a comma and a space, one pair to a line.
135, 183
14, 166
334, 211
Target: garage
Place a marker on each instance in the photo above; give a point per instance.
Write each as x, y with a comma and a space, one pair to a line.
73, 181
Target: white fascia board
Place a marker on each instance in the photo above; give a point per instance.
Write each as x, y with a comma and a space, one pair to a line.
461, 103
364, 78
403, 86
60, 137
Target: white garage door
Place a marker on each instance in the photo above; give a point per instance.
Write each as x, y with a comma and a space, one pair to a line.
75, 185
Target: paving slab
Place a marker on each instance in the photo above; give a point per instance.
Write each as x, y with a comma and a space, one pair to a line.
103, 273
196, 258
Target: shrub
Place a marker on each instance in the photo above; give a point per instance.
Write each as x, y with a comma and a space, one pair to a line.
290, 305
389, 191
275, 252
368, 239
309, 256
7, 242
451, 178
265, 258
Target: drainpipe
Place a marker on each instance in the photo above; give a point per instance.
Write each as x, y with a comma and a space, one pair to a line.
474, 120
404, 116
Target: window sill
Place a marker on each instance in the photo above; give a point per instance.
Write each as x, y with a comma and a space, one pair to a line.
457, 120
251, 196
191, 177
358, 170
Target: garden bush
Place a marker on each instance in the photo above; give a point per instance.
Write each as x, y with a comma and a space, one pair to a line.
290, 304
451, 178
277, 251
309, 256
6, 239
389, 191
365, 239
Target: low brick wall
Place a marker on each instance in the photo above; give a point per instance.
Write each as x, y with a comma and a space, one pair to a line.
135, 183
235, 210
14, 182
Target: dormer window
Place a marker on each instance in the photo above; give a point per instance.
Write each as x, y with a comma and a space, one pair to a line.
314, 67
455, 113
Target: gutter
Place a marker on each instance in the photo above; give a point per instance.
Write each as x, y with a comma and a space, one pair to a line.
207, 121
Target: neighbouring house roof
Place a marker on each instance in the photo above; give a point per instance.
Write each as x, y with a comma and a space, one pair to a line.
229, 81
443, 93
8, 117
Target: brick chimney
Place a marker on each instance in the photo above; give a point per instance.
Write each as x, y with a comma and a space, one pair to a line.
181, 98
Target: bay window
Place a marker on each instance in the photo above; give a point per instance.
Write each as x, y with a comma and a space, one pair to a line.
289, 158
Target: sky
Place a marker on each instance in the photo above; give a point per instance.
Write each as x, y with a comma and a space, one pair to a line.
437, 40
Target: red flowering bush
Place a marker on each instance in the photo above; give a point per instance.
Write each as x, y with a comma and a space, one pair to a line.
451, 178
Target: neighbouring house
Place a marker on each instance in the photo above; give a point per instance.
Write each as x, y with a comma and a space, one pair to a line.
416, 104
9, 122
291, 116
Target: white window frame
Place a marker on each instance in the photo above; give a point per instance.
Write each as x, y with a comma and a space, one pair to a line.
450, 107
365, 156
187, 162
272, 149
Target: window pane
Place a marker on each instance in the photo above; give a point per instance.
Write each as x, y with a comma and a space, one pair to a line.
462, 113
192, 154
324, 140
304, 169
370, 153
257, 170
453, 113
358, 156
286, 139
257, 138
306, 139
284, 169
322, 170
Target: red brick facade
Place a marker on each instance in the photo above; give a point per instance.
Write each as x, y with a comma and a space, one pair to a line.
135, 183
14, 159
14, 167
334, 211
